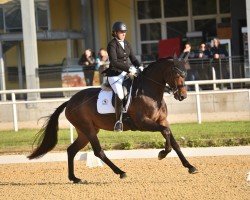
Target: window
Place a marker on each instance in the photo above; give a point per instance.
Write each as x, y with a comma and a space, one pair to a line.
163, 19
149, 9
150, 31
1, 21
149, 51
175, 8
176, 29
42, 15
226, 20
206, 25
203, 7
224, 6
11, 16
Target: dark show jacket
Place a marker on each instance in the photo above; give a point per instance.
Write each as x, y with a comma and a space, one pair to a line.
118, 58
219, 50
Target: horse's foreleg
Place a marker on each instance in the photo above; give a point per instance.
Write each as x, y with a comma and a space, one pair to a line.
93, 139
185, 163
150, 125
72, 150
166, 134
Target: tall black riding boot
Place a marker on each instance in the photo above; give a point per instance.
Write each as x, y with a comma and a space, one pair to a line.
118, 112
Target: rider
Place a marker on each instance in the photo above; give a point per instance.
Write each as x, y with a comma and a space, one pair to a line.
119, 50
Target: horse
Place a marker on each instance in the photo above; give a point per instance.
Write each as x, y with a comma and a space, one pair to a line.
147, 112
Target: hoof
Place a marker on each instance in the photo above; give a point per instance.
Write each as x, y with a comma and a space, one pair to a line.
162, 154
123, 175
81, 182
192, 170
77, 181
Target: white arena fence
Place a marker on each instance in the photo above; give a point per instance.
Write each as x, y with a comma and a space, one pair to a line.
197, 93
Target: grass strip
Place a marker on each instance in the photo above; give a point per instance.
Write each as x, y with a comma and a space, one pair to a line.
187, 134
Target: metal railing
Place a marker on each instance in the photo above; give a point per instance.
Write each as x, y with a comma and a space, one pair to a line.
197, 93
59, 75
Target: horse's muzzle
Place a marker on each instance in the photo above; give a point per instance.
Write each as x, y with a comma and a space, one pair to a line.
180, 97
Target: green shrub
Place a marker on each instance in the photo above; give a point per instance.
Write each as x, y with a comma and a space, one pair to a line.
123, 146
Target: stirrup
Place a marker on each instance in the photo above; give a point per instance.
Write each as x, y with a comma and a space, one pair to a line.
118, 126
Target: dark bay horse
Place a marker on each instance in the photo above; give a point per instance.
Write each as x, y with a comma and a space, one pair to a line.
147, 112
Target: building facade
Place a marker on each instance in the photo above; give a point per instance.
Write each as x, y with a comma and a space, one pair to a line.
64, 28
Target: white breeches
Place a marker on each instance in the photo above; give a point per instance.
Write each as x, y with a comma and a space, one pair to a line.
116, 84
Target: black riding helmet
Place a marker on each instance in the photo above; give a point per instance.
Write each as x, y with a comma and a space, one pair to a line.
118, 26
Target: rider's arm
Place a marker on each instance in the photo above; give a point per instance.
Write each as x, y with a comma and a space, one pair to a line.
112, 52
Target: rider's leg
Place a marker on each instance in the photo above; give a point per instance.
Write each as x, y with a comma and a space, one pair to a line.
116, 84
118, 113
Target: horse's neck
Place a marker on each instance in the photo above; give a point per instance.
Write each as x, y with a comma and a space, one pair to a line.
150, 84
155, 78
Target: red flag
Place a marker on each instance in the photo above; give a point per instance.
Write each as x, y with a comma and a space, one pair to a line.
169, 47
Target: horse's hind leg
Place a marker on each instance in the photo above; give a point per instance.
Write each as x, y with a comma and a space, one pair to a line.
72, 150
93, 139
185, 163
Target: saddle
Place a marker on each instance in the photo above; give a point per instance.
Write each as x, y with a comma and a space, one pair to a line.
106, 97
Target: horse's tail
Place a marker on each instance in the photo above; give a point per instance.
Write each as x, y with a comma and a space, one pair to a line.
47, 136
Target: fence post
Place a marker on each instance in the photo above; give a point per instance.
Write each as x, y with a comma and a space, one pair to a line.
198, 103
249, 101
214, 77
13, 98
71, 132
221, 75
2, 74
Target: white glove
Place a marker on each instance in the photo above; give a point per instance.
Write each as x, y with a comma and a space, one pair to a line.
133, 71
141, 68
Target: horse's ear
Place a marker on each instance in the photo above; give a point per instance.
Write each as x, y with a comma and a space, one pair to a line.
175, 56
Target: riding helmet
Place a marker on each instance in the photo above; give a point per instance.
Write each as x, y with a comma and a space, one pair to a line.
119, 26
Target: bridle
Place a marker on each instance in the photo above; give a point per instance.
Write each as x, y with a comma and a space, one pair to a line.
174, 89
183, 74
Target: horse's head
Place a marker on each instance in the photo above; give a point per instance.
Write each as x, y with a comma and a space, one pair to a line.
167, 71
178, 80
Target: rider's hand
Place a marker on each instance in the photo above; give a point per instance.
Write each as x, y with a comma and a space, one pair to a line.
141, 68
133, 71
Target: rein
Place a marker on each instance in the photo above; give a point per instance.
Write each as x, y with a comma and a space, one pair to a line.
168, 88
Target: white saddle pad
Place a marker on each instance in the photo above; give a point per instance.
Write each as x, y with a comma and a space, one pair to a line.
104, 102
